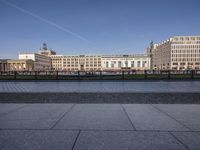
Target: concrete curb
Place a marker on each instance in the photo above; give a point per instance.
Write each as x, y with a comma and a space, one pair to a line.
121, 98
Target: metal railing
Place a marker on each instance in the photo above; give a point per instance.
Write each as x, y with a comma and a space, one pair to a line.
100, 75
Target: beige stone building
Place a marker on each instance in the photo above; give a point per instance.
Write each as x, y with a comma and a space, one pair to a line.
17, 65
128, 62
3, 64
176, 53
97, 62
76, 62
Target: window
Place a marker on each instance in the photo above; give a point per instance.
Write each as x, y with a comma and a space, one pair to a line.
132, 63
138, 64
107, 64
143, 63
126, 63
119, 64
112, 64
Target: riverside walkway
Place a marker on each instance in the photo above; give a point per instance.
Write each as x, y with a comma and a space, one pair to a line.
100, 115
99, 127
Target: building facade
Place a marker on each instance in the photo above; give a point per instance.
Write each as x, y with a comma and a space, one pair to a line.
127, 62
41, 62
17, 65
76, 62
176, 53
3, 63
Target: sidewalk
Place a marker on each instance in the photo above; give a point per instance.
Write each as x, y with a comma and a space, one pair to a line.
99, 126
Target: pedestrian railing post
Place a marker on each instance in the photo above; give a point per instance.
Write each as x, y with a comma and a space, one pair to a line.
122, 75
56, 75
15, 75
100, 75
169, 74
145, 74
36, 75
192, 74
79, 75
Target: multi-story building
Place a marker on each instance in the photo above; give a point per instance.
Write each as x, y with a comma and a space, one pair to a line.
16, 65
76, 62
130, 62
176, 53
41, 62
3, 64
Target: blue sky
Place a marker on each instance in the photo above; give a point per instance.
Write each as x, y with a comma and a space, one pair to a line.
93, 26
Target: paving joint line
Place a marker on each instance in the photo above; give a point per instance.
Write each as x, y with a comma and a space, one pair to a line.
170, 116
134, 128
179, 140
79, 132
73, 105
14, 110
15, 129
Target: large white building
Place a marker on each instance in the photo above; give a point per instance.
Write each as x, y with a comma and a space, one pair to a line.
176, 53
41, 62
130, 62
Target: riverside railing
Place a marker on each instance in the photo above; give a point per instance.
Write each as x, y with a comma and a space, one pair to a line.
101, 75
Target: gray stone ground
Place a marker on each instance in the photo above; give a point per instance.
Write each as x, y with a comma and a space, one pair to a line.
99, 126
102, 98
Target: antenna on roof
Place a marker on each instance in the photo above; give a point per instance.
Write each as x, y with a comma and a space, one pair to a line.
151, 43
44, 46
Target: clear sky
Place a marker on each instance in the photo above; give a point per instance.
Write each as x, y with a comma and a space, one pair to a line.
93, 26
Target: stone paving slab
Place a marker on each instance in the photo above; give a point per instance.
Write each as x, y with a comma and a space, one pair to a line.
189, 115
7, 108
96, 116
37, 140
98, 126
126, 140
146, 117
34, 116
190, 139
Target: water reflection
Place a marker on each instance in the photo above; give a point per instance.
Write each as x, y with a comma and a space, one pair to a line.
163, 86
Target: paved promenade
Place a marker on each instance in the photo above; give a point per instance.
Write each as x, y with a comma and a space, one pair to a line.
99, 127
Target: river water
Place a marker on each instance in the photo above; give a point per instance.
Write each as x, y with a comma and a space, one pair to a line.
102, 86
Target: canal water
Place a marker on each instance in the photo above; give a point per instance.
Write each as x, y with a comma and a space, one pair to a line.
101, 86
